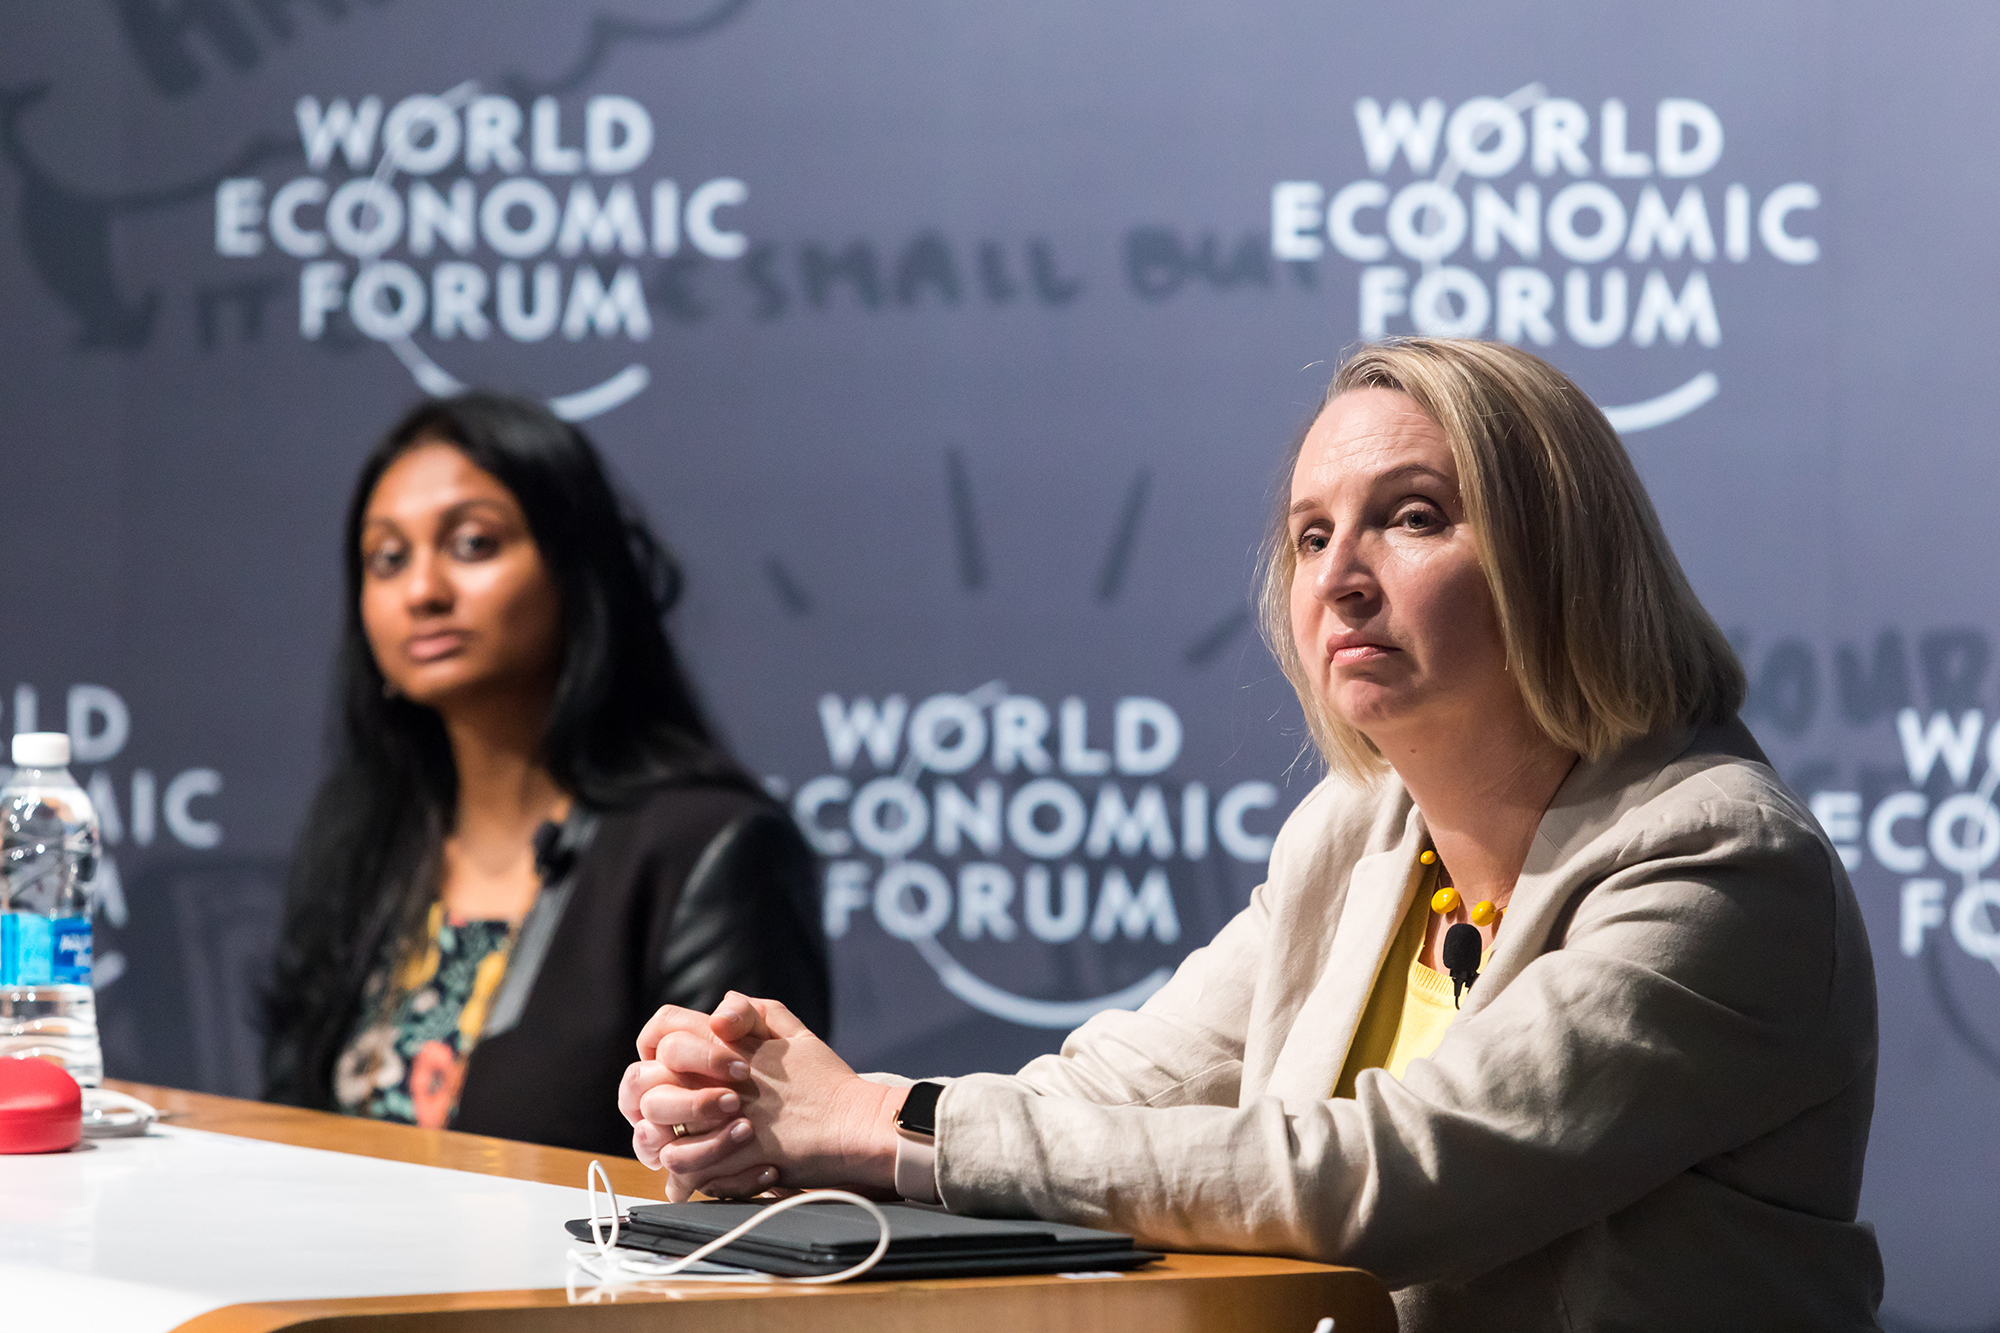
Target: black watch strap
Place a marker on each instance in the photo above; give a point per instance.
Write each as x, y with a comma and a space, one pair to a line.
919, 1110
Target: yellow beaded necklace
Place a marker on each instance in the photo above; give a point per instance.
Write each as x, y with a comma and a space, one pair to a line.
1446, 900
1461, 946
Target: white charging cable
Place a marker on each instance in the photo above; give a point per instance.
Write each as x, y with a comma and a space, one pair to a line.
108, 1114
608, 1265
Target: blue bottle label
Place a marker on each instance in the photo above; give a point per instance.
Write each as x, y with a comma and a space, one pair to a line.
70, 965
27, 950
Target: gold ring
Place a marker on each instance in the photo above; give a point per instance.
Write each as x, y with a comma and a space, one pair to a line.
680, 1131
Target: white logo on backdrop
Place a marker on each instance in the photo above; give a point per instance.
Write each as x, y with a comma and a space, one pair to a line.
1909, 834
1015, 780
547, 281
1596, 229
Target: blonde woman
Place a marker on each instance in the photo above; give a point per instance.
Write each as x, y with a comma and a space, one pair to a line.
1556, 1010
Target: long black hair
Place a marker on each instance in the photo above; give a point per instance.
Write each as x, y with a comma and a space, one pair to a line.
623, 721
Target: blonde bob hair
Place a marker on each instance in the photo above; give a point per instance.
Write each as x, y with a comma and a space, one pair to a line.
1602, 632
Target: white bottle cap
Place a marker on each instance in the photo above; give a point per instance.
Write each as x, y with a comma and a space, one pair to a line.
41, 749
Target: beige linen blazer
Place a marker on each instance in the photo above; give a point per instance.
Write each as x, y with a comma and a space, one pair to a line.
1650, 1113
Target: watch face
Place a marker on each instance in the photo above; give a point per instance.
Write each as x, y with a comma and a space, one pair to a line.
919, 1112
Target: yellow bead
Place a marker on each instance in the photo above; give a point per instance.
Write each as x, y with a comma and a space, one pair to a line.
1427, 857
1484, 913
1445, 901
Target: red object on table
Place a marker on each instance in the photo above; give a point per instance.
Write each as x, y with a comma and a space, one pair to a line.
41, 1107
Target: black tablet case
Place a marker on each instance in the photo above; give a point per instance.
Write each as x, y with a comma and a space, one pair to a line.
816, 1239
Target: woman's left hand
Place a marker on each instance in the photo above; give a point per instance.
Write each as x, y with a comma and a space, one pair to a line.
812, 1121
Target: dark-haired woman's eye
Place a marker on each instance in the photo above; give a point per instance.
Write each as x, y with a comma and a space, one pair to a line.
472, 544
384, 561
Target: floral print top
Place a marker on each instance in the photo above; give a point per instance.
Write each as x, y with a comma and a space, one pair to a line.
420, 1021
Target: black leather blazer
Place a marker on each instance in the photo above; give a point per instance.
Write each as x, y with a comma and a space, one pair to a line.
697, 891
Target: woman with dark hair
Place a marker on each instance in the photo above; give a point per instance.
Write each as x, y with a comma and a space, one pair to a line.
530, 838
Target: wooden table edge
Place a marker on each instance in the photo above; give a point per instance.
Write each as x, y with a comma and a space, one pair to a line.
563, 1166
1359, 1290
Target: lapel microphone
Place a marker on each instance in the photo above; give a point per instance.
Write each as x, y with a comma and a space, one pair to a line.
552, 859
1461, 957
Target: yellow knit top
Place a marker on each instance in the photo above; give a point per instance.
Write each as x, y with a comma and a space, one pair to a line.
1410, 1007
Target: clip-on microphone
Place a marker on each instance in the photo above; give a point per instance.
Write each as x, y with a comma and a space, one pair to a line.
552, 859
1462, 947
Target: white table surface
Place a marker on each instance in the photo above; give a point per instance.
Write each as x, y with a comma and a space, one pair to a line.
139, 1235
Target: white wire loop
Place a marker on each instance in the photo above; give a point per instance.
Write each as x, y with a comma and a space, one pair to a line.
607, 1265
108, 1114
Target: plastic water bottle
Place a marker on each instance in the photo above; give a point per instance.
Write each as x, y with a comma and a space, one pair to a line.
48, 855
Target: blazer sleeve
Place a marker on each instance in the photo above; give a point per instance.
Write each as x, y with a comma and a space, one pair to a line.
747, 920
1185, 1044
1703, 994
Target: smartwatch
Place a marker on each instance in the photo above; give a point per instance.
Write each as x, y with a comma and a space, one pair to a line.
916, 1143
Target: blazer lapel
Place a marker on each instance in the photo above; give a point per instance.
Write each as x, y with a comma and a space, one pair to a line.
1590, 801
1380, 889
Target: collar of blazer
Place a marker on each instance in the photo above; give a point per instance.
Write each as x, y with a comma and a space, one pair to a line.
1380, 889
1591, 802
1384, 882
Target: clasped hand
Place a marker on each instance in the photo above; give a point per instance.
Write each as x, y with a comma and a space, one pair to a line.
760, 1102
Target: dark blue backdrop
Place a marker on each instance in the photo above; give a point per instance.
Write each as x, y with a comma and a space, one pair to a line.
955, 348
